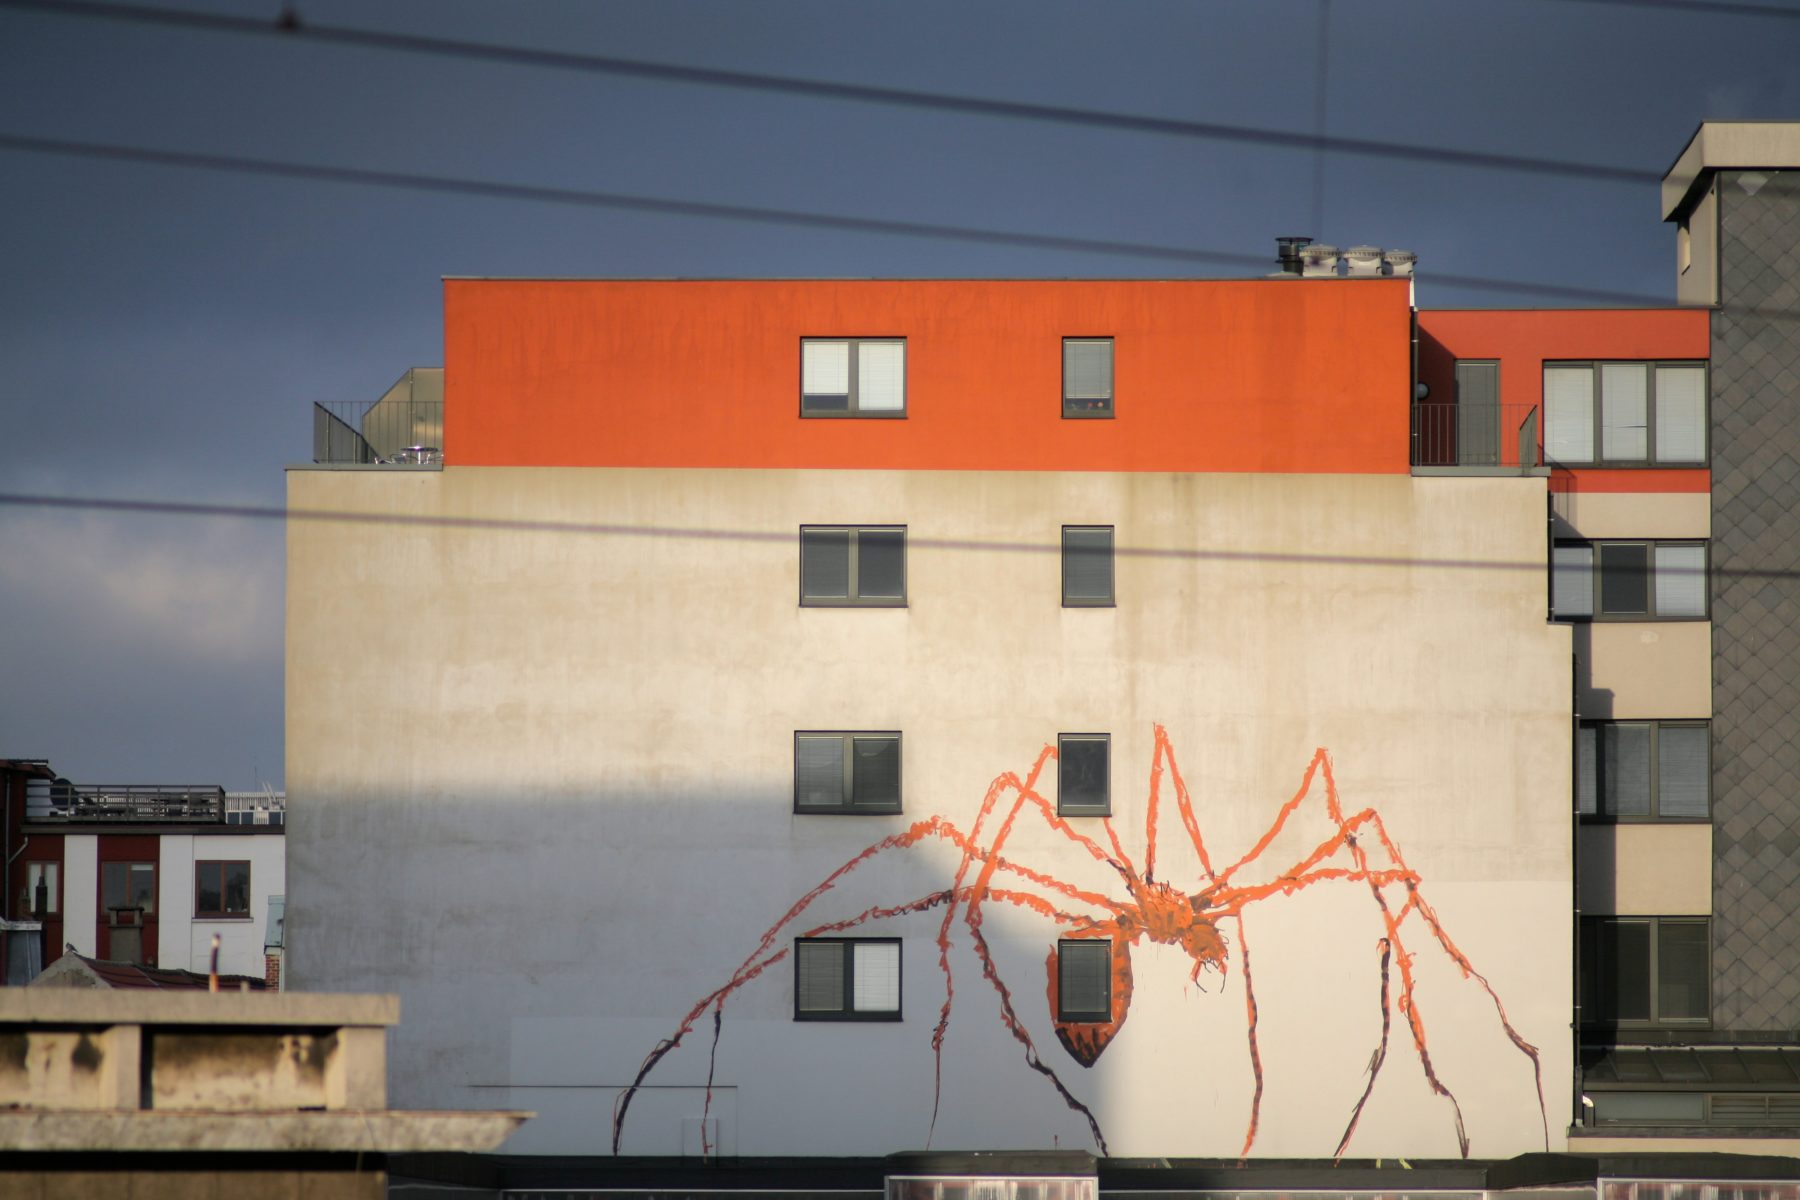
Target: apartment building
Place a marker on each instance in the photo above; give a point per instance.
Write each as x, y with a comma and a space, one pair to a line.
1237, 724
146, 874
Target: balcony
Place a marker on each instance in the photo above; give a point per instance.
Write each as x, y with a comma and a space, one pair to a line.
61, 802
1476, 439
404, 428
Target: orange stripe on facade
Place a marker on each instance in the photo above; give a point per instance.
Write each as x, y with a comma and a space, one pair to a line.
1281, 375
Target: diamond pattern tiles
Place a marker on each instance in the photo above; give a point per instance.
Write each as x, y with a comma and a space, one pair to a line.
1756, 605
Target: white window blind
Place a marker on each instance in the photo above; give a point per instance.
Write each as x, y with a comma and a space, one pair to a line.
1087, 368
1625, 412
825, 368
1569, 414
876, 981
1681, 414
1681, 581
880, 376
1683, 768
1572, 581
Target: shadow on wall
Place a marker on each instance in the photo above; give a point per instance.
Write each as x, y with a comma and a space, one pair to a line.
636, 930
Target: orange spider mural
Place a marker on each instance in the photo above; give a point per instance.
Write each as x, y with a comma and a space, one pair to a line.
1357, 851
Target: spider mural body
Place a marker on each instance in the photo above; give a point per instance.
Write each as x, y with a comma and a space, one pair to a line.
1206, 924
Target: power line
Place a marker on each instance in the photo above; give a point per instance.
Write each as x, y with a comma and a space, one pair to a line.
1717, 8
264, 512
292, 28
493, 189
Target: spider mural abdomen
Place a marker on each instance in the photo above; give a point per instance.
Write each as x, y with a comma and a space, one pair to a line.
1095, 1009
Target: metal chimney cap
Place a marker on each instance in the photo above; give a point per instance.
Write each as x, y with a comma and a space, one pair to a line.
1319, 250
1400, 256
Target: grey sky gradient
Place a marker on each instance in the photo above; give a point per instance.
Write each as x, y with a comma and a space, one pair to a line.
164, 329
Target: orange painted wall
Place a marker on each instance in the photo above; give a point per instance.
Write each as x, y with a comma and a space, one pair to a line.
1524, 340
1285, 375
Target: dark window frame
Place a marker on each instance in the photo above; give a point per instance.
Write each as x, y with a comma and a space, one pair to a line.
1111, 599
1593, 1003
1654, 800
128, 865
1650, 461
1597, 578
47, 868
1071, 405
853, 599
851, 410
225, 911
1083, 1016
848, 806
1064, 808
849, 1012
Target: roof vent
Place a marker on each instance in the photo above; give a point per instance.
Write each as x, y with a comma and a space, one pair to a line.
1364, 260
1288, 249
1319, 260
1400, 262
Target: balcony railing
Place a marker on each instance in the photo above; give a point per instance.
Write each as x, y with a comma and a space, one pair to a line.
1475, 435
387, 431
61, 801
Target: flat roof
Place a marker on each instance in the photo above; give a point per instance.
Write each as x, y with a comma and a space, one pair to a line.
1727, 146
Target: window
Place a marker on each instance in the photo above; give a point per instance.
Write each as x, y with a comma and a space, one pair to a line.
1084, 980
847, 772
1084, 774
1645, 971
1628, 581
847, 979
1625, 413
47, 876
222, 889
1087, 566
1643, 770
853, 565
128, 885
1087, 377
852, 377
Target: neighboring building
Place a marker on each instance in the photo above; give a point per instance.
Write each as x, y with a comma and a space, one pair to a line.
146, 874
830, 709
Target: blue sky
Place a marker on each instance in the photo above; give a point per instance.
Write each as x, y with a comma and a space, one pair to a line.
164, 330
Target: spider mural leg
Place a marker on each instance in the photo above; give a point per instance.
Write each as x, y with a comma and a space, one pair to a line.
1255, 1053
979, 891
1349, 831
1376, 1059
1024, 790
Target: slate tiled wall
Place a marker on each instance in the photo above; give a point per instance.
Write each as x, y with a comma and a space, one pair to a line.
1756, 604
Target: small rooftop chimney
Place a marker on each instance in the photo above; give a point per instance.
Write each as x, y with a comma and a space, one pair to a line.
1364, 260
1318, 259
1288, 249
1400, 262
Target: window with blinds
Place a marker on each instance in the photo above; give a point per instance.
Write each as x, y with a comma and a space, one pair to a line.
1084, 774
850, 565
1087, 566
847, 772
1643, 770
1625, 413
1639, 971
847, 979
1628, 581
852, 377
1084, 979
1087, 377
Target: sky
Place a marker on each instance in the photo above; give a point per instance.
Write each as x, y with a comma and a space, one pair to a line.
165, 328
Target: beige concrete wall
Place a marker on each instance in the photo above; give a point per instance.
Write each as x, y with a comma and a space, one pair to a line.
1601, 515
1698, 284
554, 753
1646, 870
1637, 670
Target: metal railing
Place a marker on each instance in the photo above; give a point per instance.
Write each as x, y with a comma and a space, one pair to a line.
387, 431
59, 800
1475, 435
